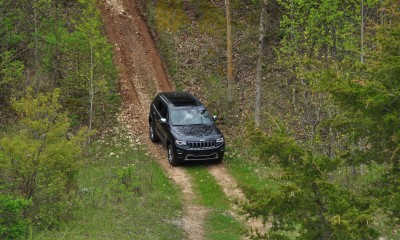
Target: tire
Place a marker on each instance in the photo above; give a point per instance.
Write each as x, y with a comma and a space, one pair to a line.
152, 134
173, 161
219, 159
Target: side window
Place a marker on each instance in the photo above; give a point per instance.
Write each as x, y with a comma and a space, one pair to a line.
163, 110
156, 103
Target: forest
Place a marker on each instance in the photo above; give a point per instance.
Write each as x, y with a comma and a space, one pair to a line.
307, 94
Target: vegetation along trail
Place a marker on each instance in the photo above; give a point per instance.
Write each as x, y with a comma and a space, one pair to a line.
141, 76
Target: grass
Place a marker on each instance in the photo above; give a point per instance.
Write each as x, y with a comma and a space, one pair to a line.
220, 223
123, 194
248, 173
169, 15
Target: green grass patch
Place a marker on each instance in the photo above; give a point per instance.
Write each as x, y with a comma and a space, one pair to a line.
212, 18
169, 15
122, 194
220, 224
249, 173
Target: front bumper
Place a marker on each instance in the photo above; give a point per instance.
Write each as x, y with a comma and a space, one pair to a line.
184, 154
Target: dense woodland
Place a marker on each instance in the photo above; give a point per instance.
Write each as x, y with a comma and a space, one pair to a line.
57, 85
317, 85
313, 101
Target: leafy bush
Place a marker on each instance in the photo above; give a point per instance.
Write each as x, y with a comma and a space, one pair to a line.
40, 160
13, 225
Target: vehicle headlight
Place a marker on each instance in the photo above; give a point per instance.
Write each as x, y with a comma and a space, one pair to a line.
180, 143
219, 140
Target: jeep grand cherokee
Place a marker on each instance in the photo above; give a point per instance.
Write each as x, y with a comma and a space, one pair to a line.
182, 124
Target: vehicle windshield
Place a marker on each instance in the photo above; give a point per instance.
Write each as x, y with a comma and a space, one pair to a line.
190, 116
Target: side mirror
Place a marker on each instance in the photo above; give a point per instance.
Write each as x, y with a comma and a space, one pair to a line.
215, 117
163, 120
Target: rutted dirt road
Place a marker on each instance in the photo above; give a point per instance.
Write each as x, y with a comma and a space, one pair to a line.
141, 76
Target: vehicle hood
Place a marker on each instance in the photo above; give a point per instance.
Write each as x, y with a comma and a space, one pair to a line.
196, 132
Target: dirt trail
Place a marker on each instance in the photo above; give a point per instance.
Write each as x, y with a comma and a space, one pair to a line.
234, 193
141, 76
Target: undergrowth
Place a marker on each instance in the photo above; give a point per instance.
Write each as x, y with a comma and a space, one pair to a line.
123, 194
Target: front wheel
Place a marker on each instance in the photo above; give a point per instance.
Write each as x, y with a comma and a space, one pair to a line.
173, 161
152, 134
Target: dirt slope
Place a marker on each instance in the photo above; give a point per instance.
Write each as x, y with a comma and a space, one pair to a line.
141, 76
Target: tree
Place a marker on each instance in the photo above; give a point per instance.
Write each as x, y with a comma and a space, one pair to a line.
40, 161
257, 105
305, 203
88, 69
11, 46
11, 72
229, 52
369, 97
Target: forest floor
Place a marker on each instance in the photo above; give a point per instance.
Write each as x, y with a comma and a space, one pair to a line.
141, 76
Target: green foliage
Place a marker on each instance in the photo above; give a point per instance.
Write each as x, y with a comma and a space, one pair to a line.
53, 44
11, 26
306, 204
317, 29
41, 159
169, 16
370, 96
123, 194
172, 16
88, 57
46, 44
13, 225
212, 18
11, 72
128, 182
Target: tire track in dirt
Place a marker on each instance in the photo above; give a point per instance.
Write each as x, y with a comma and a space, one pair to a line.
235, 194
141, 75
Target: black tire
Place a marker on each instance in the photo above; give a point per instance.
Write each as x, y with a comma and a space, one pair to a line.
219, 160
152, 134
173, 161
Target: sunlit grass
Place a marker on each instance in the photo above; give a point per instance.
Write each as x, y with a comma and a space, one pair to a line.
220, 223
122, 194
250, 174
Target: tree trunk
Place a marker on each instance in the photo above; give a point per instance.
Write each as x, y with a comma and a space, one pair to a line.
36, 50
257, 106
362, 32
91, 92
229, 52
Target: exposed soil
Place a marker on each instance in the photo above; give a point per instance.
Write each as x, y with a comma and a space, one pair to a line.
141, 76
235, 194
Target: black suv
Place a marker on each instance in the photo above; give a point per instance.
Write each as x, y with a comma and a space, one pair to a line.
185, 128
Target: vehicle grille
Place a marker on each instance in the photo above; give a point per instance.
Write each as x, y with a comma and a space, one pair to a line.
201, 145
201, 157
